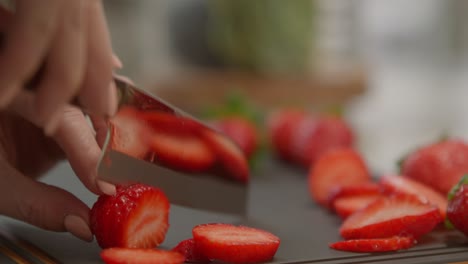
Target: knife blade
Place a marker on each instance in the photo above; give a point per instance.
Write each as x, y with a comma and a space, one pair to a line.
220, 186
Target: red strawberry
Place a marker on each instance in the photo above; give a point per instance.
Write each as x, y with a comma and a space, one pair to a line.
374, 245
336, 168
135, 217
440, 165
346, 206
317, 135
140, 256
235, 244
241, 130
398, 184
129, 134
190, 252
281, 127
366, 188
176, 142
457, 211
399, 215
231, 160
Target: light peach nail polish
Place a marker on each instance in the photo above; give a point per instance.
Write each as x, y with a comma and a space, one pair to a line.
106, 187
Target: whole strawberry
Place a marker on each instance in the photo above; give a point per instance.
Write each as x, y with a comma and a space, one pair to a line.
135, 217
457, 210
439, 165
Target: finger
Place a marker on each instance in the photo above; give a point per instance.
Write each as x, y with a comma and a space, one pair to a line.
75, 137
95, 94
5, 18
65, 64
26, 43
101, 128
42, 205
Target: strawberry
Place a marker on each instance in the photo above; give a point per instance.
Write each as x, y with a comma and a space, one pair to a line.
457, 210
374, 245
190, 252
398, 184
137, 216
141, 256
128, 133
365, 188
281, 126
440, 165
347, 205
176, 142
242, 131
235, 244
317, 135
398, 215
340, 167
231, 160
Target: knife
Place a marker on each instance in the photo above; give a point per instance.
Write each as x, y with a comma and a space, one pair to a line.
218, 179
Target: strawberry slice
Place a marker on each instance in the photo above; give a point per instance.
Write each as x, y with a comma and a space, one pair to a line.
235, 244
374, 245
141, 256
190, 252
175, 142
231, 160
366, 188
347, 205
399, 184
241, 130
339, 167
137, 216
128, 133
398, 215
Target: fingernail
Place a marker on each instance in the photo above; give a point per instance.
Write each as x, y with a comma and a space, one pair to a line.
117, 62
106, 187
53, 122
78, 227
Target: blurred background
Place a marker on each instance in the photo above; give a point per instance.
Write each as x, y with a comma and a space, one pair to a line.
397, 69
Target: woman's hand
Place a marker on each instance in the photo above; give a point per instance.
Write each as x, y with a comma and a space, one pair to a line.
70, 39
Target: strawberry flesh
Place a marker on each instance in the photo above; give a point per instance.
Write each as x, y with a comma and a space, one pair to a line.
374, 245
235, 244
140, 256
398, 215
366, 188
241, 131
348, 205
340, 167
397, 184
137, 216
190, 252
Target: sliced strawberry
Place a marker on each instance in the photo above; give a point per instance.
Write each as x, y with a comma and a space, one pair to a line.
137, 216
231, 160
140, 256
399, 184
176, 142
347, 205
241, 131
190, 252
399, 215
366, 188
129, 134
235, 244
340, 167
374, 245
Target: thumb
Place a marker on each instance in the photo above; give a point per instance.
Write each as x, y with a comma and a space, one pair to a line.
42, 205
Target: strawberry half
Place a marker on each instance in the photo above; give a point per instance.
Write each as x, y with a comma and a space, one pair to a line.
231, 161
457, 211
235, 244
176, 142
374, 245
128, 133
340, 167
399, 215
397, 184
137, 216
348, 205
190, 252
140, 256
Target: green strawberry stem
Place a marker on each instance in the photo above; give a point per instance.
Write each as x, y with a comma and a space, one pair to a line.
454, 190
